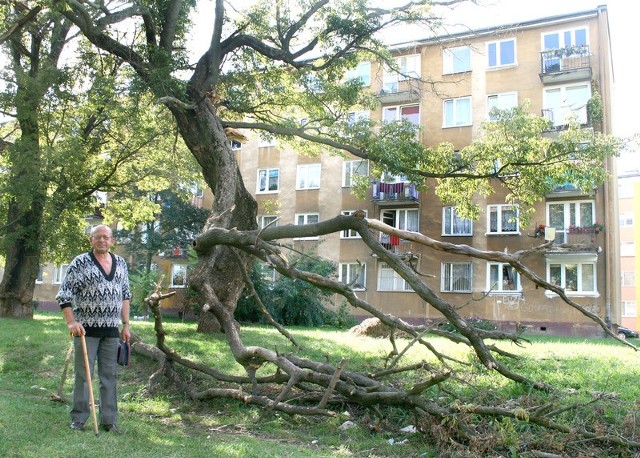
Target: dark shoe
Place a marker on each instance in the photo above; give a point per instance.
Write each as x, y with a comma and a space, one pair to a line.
77, 426
113, 428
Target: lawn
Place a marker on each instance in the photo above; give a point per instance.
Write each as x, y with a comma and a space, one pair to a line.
166, 423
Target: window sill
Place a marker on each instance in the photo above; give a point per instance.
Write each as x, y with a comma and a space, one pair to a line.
551, 294
307, 189
509, 292
456, 235
503, 233
461, 125
502, 67
267, 192
177, 286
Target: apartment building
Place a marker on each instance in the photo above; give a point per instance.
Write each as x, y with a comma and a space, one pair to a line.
629, 198
556, 63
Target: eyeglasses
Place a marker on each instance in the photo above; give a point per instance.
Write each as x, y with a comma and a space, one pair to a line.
101, 237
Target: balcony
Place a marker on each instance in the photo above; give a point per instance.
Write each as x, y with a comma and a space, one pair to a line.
395, 193
561, 116
576, 239
394, 96
400, 247
571, 63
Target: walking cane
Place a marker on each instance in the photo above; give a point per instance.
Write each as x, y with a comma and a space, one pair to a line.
88, 369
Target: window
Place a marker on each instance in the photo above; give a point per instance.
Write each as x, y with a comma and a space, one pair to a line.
503, 101
626, 219
59, 273
629, 308
40, 277
409, 67
452, 224
564, 215
502, 219
268, 180
456, 277
456, 60
390, 280
178, 275
307, 218
502, 278
457, 112
235, 145
266, 220
409, 112
353, 169
566, 102
575, 274
353, 274
502, 53
350, 233
404, 219
356, 116
266, 141
566, 38
361, 72
308, 176
629, 279
625, 190
627, 249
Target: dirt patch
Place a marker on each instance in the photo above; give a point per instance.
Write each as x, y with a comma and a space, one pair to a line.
373, 327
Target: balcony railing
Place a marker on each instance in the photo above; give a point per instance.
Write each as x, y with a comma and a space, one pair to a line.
403, 248
394, 192
560, 116
565, 64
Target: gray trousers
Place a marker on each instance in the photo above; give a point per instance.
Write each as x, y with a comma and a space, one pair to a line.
105, 350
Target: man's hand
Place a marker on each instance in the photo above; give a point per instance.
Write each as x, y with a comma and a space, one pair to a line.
125, 333
75, 328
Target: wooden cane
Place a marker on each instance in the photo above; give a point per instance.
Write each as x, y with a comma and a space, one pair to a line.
88, 369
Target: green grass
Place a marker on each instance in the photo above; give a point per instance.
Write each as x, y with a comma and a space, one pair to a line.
168, 424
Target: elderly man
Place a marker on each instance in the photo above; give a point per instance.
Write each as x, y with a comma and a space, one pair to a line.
94, 298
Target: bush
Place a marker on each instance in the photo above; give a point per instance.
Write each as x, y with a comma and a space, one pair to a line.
289, 301
474, 321
142, 284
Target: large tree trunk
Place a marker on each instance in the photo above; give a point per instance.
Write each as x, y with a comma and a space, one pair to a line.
218, 276
24, 223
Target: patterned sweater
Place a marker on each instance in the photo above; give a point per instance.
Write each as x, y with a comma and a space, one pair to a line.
96, 296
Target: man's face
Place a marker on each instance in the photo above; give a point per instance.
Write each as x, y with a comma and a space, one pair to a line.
101, 240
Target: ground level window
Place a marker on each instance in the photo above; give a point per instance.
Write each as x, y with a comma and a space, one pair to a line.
390, 280
353, 274
456, 277
502, 277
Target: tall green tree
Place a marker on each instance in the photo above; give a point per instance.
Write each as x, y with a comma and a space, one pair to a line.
77, 132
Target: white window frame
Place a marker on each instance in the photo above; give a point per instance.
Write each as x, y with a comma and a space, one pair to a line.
59, 273
628, 279
629, 309
235, 145
362, 71
267, 177
358, 115
560, 114
499, 63
572, 213
580, 261
454, 219
499, 210
459, 55
305, 220
177, 269
561, 37
450, 275
452, 104
350, 169
502, 102
626, 219
308, 177
399, 284
398, 114
409, 66
265, 220
627, 248
347, 271
499, 286
40, 277
350, 233
401, 219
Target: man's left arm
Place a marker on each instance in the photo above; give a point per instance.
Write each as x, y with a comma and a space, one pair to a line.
125, 333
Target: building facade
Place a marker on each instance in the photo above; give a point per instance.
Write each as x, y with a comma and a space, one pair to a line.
629, 198
557, 64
